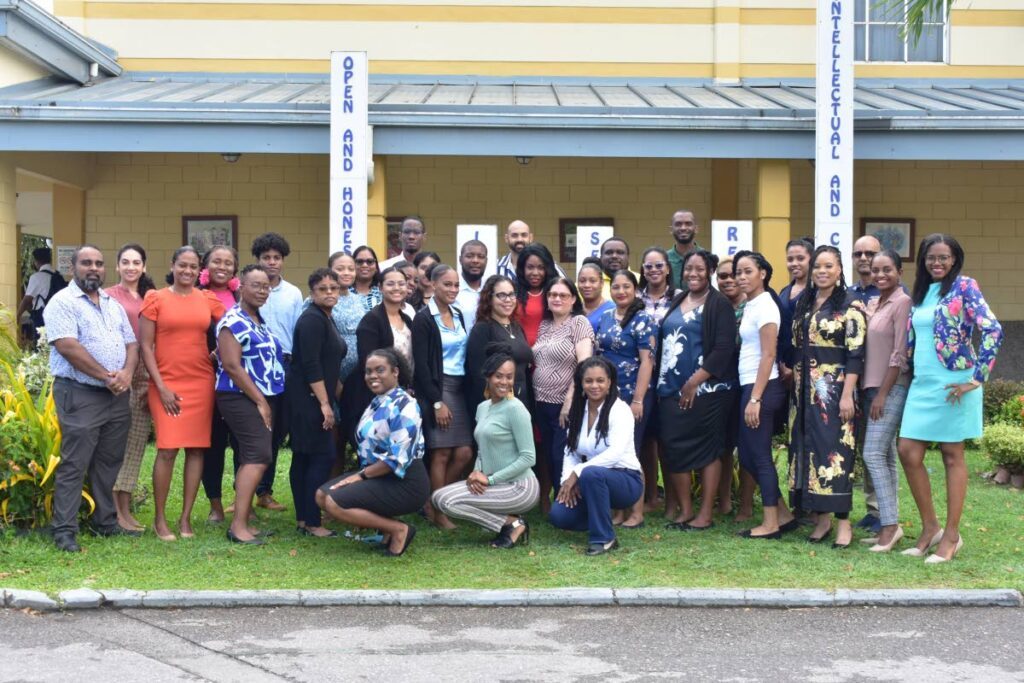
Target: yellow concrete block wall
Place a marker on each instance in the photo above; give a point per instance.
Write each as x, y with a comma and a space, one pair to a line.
639, 194
142, 198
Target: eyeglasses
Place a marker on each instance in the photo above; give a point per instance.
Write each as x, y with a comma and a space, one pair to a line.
724, 276
559, 295
257, 287
941, 258
504, 296
864, 254
327, 289
660, 265
365, 261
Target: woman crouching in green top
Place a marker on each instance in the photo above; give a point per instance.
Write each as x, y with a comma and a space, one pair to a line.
502, 485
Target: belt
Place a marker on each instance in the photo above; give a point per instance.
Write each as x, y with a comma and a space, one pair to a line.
81, 385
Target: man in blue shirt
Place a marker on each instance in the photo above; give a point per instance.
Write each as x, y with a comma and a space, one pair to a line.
281, 312
93, 355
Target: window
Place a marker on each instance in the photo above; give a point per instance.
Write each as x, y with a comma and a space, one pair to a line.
877, 25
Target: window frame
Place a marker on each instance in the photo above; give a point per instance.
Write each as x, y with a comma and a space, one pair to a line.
867, 23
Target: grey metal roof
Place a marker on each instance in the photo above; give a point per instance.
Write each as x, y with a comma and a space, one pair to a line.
458, 101
40, 37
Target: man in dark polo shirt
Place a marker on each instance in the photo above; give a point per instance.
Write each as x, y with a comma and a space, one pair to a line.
93, 354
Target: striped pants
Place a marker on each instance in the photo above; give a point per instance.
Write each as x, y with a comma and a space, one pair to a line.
880, 455
138, 432
490, 508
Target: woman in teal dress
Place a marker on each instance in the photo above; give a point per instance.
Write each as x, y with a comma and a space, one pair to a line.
944, 403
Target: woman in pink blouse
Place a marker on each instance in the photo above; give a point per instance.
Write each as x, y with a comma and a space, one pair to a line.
131, 288
564, 338
885, 383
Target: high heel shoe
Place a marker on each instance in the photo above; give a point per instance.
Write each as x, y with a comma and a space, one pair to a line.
880, 548
915, 552
504, 539
935, 558
252, 541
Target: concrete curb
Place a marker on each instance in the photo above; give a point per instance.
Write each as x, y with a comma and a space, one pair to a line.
779, 598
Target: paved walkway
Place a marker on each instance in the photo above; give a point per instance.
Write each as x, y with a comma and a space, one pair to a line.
438, 644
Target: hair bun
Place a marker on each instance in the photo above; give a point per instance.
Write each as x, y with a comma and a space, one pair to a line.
497, 347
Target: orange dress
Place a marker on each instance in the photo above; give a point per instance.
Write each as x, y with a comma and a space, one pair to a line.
184, 363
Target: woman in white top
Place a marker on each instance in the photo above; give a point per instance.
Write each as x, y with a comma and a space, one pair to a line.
762, 394
600, 471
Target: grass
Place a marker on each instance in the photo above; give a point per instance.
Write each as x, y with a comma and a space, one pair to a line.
993, 556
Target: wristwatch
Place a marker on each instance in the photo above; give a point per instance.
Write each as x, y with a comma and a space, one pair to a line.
754, 400
362, 475
437, 405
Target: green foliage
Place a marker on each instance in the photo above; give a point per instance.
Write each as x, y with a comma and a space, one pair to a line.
998, 392
917, 11
35, 367
29, 243
9, 351
1005, 446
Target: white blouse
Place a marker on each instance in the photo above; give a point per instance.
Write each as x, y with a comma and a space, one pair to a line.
614, 451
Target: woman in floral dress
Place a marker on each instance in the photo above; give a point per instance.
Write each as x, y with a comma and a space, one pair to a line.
828, 339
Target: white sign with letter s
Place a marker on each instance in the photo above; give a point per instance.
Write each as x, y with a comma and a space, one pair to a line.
589, 239
488, 234
349, 130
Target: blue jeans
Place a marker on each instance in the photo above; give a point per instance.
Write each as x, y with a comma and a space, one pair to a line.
755, 445
601, 490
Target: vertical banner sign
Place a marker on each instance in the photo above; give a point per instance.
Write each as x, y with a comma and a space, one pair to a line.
349, 128
589, 239
833, 153
728, 237
488, 234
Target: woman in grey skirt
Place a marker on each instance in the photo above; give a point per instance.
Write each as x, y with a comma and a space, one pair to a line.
439, 357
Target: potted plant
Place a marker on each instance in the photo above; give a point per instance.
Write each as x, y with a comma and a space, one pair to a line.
1005, 446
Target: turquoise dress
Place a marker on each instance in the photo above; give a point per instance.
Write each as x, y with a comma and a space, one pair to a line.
927, 415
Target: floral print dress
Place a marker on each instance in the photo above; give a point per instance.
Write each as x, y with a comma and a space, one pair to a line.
827, 344
622, 346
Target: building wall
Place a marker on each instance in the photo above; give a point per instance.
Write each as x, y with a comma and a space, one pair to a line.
642, 38
143, 197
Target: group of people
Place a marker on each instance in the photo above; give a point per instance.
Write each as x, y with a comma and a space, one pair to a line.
479, 400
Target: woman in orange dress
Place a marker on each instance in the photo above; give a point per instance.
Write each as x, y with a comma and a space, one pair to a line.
173, 326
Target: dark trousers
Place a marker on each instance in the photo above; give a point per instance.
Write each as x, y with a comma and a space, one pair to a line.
308, 473
94, 429
213, 459
281, 427
755, 445
601, 490
552, 440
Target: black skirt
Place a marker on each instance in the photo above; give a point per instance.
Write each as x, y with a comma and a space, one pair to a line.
692, 439
385, 496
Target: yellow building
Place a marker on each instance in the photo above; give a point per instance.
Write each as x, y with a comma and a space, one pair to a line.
115, 114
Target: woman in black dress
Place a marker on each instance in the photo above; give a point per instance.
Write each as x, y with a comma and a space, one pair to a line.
697, 382
312, 390
496, 322
377, 330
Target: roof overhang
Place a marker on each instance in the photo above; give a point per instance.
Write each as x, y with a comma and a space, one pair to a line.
41, 38
936, 120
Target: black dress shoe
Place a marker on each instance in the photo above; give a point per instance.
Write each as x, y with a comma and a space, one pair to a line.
685, 526
235, 539
112, 530
409, 535
602, 548
791, 525
67, 543
773, 536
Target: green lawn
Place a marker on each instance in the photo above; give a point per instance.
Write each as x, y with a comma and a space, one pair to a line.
993, 555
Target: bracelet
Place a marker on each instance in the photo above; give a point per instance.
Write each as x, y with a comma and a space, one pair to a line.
637, 403
362, 475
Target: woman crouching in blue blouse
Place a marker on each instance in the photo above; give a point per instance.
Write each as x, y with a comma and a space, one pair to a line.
389, 440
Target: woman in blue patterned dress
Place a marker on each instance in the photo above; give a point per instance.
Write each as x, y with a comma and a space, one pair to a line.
697, 383
392, 480
627, 337
349, 310
367, 281
944, 403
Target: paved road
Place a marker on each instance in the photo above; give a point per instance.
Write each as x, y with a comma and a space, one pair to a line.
514, 644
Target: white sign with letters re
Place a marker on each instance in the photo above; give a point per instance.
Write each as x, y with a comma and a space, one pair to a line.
729, 237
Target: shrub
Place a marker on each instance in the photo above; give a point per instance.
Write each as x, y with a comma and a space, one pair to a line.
29, 451
998, 392
1005, 446
1012, 412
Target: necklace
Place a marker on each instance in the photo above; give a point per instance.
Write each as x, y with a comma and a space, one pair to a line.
508, 328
